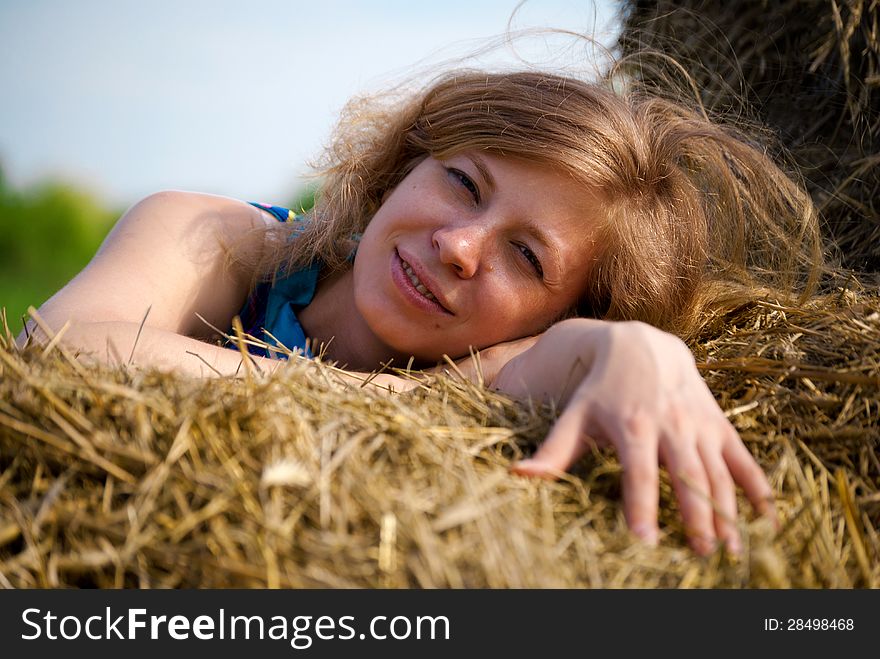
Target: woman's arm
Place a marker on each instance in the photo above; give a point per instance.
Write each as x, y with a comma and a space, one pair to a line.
167, 254
116, 343
164, 265
637, 388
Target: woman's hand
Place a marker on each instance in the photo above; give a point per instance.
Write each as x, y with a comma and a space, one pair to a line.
633, 386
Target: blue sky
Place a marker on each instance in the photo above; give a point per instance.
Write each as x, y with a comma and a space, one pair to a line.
229, 97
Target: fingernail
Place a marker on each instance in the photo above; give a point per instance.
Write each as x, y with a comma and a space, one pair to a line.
528, 466
702, 546
521, 466
647, 533
734, 546
768, 510
536, 468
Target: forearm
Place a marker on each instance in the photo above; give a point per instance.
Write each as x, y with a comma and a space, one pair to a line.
483, 366
534, 371
117, 343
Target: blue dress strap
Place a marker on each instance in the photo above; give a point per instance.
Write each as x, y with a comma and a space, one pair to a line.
281, 214
269, 313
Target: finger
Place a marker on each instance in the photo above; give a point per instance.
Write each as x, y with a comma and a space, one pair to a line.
692, 490
723, 495
637, 452
566, 443
750, 476
641, 485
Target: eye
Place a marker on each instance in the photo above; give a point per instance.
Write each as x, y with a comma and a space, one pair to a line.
466, 182
531, 258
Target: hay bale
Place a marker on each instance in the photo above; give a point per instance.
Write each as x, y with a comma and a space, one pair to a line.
126, 478
810, 71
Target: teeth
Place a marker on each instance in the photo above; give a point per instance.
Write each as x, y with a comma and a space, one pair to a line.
420, 287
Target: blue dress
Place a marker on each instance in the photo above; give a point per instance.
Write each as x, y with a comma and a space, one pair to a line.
269, 313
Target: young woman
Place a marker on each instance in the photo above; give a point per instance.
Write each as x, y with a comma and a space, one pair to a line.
572, 232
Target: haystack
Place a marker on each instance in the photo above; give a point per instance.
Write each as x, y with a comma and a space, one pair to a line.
809, 70
129, 478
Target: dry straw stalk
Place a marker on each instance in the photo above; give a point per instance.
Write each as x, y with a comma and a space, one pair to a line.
129, 478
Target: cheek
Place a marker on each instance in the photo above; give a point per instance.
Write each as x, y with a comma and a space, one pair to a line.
370, 244
365, 274
538, 312
511, 308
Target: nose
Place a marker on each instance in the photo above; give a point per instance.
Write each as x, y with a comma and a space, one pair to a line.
462, 247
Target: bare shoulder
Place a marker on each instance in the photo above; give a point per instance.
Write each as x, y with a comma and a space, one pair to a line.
169, 254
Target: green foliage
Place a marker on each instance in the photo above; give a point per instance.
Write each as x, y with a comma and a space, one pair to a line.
48, 233
304, 199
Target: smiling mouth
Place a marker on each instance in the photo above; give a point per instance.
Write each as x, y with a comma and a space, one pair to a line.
419, 286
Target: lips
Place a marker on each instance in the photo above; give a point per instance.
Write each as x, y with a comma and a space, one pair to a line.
420, 287
421, 284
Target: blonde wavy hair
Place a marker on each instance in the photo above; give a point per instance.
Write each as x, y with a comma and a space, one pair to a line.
697, 215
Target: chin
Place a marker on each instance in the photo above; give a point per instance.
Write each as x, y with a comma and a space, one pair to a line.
423, 355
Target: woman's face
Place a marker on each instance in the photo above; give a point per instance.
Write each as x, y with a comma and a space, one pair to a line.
471, 251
